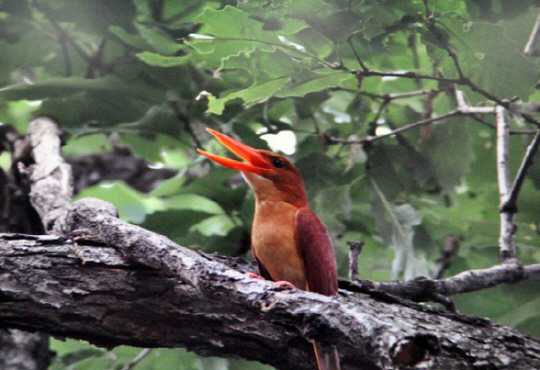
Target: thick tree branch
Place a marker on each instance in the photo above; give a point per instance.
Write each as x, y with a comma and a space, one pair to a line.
197, 302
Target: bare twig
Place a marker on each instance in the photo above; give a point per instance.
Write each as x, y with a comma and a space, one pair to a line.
135, 361
467, 109
507, 244
503, 170
422, 289
371, 139
356, 54
533, 37
449, 253
355, 248
410, 75
479, 119
394, 96
510, 202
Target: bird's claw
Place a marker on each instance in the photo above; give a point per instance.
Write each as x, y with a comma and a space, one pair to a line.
254, 276
282, 284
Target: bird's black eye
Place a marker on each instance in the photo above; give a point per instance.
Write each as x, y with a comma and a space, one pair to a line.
278, 162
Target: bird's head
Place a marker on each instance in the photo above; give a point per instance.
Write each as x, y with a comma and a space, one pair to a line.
270, 175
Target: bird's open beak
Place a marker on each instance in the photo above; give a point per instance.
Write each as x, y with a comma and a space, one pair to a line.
254, 161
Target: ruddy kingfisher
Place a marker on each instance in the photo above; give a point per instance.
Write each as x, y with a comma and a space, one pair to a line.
288, 241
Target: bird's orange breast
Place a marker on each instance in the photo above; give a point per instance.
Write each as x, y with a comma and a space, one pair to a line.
273, 242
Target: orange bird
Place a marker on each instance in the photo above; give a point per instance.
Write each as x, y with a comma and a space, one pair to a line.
288, 241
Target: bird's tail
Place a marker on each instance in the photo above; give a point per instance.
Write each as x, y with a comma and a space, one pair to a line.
327, 358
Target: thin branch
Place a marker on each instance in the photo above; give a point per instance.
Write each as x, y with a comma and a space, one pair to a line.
503, 168
507, 243
478, 119
455, 59
449, 253
371, 139
533, 37
422, 289
395, 96
356, 54
410, 75
355, 248
510, 201
466, 108
135, 361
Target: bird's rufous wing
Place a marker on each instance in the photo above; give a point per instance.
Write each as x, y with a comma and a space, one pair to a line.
317, 252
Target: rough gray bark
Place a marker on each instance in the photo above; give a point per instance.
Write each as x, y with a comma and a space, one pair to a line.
186, 299
114, 283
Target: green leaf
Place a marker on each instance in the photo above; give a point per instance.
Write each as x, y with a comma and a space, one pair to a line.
231, 32
159, 60
491, 59
254, 94
448, 142
158, 119
277, 74
306, 83
135, 40
215, 225
160, 41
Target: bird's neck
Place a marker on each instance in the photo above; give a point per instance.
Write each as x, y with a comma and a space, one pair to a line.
268, 191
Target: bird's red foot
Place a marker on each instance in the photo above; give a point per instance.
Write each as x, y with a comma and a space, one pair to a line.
282, 284
254, 276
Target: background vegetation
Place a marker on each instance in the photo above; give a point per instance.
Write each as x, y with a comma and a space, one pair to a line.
316, 79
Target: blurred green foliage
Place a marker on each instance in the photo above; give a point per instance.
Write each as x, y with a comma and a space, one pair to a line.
157, 72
